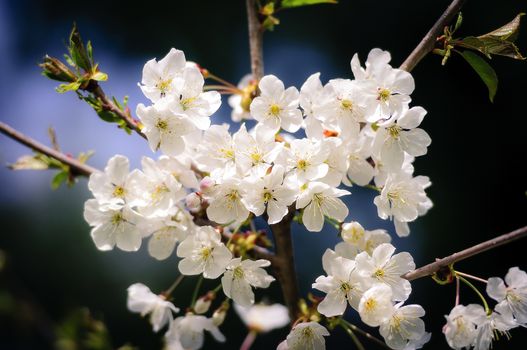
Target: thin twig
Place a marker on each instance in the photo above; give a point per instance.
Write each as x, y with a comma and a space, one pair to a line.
255, 40
428, 42
430, 269
365, 334
260, 252
76, 167
108, 104
173, 286
475, 278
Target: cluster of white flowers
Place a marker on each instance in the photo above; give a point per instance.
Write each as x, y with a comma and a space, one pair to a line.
367, 276
360, 131
474, 327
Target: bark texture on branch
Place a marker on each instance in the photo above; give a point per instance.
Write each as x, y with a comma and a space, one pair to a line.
76, 167
428, 42
430, 269
284, 263
255, 40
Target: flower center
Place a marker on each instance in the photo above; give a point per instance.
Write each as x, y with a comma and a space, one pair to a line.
394, 131
186, 103
238, 272
164, 86
118, 191
302, 164
346, 104
162, 124
384, 95
205, 253
379, 273
345, 287
117, 218
274, 110
267, 196
370, 304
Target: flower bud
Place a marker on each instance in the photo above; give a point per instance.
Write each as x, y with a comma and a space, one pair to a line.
193, 202
219, 315
56, 70
206, 184
353, 233
202, 304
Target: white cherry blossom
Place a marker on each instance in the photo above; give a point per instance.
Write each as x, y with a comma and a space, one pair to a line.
143, 301
161, 78
192, 102
375, 306
188, 332
203, 252
403, 326
164, 129
113, 227
241, 276
269, 194
342, 285
320, 200
263, 318
277, 107
305, 336
226, 203
384, 267
513, 294
460, 329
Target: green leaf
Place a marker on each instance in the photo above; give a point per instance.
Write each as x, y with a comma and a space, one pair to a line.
99, 76
484, 70
507, 32
459, 21
298, 3
498, 42
270, 22
78, 52
58, 179
62, 88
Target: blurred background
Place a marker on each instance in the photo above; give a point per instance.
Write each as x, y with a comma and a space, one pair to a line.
49, 267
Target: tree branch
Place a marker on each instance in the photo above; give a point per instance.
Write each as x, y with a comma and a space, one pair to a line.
430, 269
76, 167
255, 40
108, 104
428, 42
284, 264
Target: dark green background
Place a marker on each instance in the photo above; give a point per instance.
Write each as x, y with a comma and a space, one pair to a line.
476, 160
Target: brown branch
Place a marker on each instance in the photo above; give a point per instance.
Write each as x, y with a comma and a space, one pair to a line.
430, 269
255, 40
260, 252
76, 167
284, 264
428, 42
108, 105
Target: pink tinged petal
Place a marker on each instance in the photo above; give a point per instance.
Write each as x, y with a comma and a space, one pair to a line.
496, 289
334, 304
415, 142
313, 218
412, 118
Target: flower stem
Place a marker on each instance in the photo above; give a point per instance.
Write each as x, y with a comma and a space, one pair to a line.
220, 80
353, 336
475, 278
249, 340
364, 333
196, 291
173, 286
462, 279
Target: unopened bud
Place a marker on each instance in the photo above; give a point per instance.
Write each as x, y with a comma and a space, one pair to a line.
56, 70
202, 304
206, 184
353, 233
193, 202
219, 315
